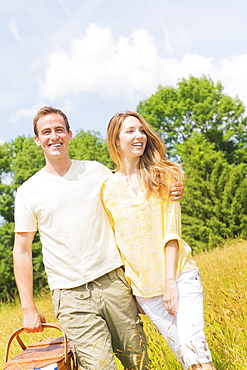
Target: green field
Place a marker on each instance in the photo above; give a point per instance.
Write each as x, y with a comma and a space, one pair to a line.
224, 278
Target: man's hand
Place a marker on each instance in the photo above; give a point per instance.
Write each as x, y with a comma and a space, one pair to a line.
33, 320
176, 190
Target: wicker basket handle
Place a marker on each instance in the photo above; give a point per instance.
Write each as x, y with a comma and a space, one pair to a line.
45, 325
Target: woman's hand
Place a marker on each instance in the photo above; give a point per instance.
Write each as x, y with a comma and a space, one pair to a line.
171, 290
176, 190
171, 297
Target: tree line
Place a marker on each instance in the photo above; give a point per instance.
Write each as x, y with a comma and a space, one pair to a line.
202, 127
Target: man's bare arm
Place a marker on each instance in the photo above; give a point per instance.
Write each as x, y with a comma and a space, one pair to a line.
23, 268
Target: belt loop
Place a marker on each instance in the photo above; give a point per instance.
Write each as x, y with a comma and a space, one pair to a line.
96, 282
113, 274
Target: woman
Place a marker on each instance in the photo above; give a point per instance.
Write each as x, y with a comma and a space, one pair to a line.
158, 263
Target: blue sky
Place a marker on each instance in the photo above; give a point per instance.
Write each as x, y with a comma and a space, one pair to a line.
94, 58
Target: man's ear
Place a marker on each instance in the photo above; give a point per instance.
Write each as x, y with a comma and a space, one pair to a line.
36, 139
71, 134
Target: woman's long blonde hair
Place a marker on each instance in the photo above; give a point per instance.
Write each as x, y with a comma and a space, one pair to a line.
155, 170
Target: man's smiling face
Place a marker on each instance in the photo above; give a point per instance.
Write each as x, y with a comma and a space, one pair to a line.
53, 136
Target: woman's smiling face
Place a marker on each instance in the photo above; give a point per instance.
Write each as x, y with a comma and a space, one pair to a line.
132, 139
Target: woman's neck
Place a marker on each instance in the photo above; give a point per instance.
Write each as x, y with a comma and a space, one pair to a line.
129, 166
131, 174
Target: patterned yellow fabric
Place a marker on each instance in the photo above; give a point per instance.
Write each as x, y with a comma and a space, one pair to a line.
142, 228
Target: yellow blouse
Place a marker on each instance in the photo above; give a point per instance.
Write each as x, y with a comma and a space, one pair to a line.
142, 228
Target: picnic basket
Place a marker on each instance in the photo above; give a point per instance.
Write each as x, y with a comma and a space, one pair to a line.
51, 353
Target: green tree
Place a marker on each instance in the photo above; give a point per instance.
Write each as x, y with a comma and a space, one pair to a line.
6, 194
27, 159
214, 206
234, 201
89, 145
200, 105
6, 203
7, 281
5, 160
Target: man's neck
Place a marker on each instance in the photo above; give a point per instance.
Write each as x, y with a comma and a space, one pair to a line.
58, 166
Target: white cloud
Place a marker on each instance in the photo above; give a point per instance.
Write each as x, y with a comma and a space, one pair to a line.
233, 74
98, 64
131, 67
14, 29
29, 114
23, 113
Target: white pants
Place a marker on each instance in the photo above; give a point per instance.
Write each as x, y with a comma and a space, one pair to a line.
184, 333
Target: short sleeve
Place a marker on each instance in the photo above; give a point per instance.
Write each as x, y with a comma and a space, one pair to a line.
104, 200
25, 219
172, 221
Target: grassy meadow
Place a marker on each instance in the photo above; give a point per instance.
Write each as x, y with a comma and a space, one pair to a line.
224, 278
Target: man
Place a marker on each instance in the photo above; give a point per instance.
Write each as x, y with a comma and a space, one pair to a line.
91, 298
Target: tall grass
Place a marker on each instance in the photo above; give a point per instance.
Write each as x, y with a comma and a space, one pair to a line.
224, 278
11, 319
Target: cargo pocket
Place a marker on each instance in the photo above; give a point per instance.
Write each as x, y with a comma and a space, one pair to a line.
82, 299
121, 276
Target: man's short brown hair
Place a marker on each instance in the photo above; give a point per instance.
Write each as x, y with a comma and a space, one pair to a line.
44, 112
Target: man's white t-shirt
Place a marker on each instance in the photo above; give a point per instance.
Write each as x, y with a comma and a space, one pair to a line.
77, 240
